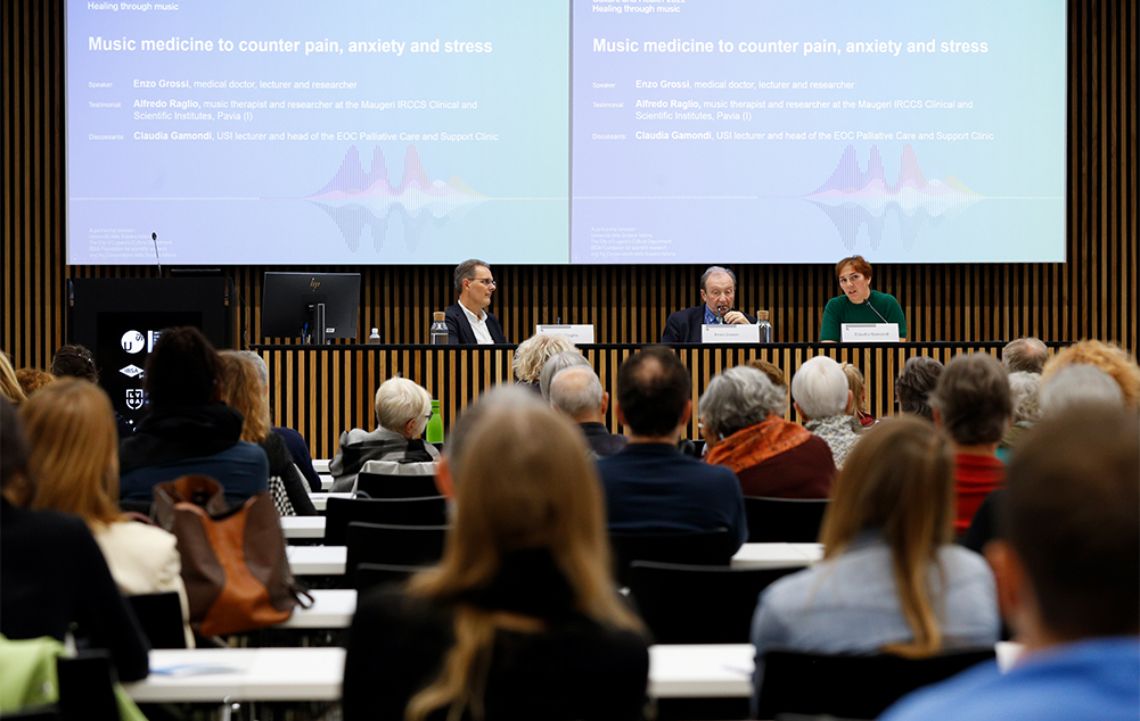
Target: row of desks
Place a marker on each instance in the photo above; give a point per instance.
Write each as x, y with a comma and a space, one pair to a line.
331, 560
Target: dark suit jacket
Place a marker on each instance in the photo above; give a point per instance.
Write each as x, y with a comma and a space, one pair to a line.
684, 326
459, 329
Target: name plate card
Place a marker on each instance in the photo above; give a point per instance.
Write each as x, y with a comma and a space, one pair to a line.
870, 333
576, 333
730, 333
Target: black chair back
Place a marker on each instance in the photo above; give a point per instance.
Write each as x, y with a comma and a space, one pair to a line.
87, 687
160, 617
784, 520
854, 687
378, 485
339, 512
711, 548
394, 545
368, 575
699, 604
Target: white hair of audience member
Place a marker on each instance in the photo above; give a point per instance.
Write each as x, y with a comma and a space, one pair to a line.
576, 391
1078, 384
820, 388
259, 364
532, 354
399, 400
508, 396
738, 398
1024, 354
1024, 394
555, 363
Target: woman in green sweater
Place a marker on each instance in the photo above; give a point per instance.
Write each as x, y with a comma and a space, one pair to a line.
858, 303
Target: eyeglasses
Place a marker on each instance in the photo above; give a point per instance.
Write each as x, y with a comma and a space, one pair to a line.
489, 282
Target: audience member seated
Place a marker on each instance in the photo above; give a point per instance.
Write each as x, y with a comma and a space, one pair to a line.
187, 430
243, 391
822, 397
577, 392
1075, 385
1024, 355
1111, 359
532, 354
10, 388
915, 384
742, 420
403, 409
1024, 389
32, 379
652, 486
1068, 577
772, 371
74, 457
74, 361
891, 580
520, 619
861, 418
555, 363
971, 402
53, 579
298, 448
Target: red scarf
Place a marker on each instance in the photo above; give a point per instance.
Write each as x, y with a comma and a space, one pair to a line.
753, 445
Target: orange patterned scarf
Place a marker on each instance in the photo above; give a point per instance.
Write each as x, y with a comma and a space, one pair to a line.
755, 444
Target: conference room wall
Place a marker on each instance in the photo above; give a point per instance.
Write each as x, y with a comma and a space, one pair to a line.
1094, 294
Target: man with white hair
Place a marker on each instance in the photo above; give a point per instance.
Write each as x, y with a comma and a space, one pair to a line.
1024, 355
718, 300
577, 392
821, 396
402, 412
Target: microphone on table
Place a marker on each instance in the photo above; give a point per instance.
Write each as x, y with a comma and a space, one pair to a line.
157, 259
868, 302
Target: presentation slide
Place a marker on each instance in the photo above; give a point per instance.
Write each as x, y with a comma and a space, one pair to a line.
801, 131
342, 132
356, 132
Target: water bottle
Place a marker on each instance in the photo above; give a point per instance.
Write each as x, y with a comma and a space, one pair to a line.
764, 325
434, 432
374, 338
438, 330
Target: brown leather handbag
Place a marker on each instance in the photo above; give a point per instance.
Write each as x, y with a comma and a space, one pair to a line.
234, 565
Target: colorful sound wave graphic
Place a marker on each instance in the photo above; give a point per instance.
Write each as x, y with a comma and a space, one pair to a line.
356, 199
853, 198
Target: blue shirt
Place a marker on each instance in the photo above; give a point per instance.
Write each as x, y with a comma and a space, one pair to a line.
1096, 679
712, 318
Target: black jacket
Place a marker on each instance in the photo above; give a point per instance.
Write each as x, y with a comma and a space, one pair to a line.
684, 326
459, 329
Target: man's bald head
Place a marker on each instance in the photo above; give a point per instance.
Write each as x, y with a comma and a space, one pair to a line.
577, 392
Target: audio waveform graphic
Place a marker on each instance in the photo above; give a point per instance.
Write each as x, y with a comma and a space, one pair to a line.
854, 199
358, 200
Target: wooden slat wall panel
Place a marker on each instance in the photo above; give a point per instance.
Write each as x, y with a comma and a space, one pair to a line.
1094, 294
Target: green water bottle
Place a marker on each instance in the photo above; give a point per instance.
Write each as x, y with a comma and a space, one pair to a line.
435, 425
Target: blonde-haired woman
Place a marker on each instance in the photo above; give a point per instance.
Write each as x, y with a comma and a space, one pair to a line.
242, 390
520, 619
9, 383
532, 354
74, 456
891, 579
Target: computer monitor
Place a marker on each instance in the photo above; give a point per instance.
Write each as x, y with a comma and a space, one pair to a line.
315, 306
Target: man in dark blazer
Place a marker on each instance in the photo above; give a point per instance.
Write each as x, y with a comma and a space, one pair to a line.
468, 321
650, 485
718, 295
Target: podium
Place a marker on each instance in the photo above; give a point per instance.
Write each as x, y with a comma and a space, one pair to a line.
120, 319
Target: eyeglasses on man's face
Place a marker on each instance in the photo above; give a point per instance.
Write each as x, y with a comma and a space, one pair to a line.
489, 282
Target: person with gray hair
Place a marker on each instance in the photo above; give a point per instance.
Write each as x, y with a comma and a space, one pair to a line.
821, 396
294, 441
718, 298
1024, 391
1076, 385
915, 384
577, 392
468, 320
556, 363
403, 408
1024, 355
741, 419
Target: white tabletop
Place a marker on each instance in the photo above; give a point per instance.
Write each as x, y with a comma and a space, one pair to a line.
317, 560
321, 465
332, 608
685, 671
326, 481
303, 526
320, 500
331, 560
241, 674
